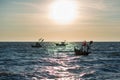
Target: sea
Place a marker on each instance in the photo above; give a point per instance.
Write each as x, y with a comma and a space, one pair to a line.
20, 61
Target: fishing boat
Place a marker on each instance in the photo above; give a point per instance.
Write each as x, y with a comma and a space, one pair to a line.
61, 44
79, 52
38, 44
84, 52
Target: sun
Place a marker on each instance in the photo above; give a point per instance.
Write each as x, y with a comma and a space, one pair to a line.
63, 11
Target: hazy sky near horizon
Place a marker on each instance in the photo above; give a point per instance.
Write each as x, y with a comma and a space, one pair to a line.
28, 20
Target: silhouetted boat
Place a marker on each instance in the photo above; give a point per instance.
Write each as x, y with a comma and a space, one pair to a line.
61, 44
37, 45
79, 52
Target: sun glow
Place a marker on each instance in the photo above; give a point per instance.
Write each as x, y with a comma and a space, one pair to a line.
63, 11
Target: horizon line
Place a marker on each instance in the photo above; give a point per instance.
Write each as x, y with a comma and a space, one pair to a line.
61, 41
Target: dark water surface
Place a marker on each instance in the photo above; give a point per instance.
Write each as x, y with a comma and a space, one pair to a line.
19, 61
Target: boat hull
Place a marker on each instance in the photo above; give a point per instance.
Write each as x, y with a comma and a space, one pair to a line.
34, 46
79, 52
60, 44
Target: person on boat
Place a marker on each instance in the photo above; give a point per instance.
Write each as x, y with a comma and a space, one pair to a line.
84, 46
89, 46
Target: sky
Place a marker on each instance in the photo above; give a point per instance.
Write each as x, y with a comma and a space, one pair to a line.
29, 20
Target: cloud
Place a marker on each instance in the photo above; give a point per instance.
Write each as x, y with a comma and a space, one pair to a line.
33, 5
38, 6
92, 4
